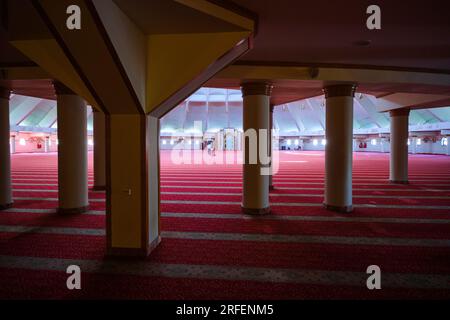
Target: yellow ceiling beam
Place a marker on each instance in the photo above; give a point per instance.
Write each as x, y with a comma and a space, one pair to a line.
49, 55
176, 59
219, 12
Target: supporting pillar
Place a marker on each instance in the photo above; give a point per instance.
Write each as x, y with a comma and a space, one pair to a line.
133, 211
47, 144
72, 152
272, 107
99, 151
413, 145
256, 111
12, 144
448, 145
339, 147
6, 199
399, 146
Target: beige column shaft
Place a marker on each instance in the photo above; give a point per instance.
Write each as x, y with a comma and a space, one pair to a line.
339, 147
47, 144
72, 151
256, 112
399, 146
99, 151
6, 199
272, 107
12, 142
448, 145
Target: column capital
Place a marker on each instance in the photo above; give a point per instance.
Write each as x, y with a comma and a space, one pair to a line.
4, 93
399, 112
256, 88
62, 89
340, 90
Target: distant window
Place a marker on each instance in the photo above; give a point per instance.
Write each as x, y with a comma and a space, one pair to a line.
444, 141
22, 142
197, 142
315, 142
418, 142
297, 142
324, 142
190, 142
90, 142
409, 142
373, 142
164, 142
289, 142
172, 142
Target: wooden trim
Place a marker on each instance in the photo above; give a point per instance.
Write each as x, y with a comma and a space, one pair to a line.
338, 66
256, 88
340, 90
159, 178
112, 51
108, 182
403, 112
144, 183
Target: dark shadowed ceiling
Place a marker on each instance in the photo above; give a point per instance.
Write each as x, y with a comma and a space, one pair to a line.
414, 34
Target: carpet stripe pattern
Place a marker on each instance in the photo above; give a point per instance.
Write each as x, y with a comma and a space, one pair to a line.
211, 251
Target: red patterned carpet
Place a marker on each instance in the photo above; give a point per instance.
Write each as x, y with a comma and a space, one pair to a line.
211, 251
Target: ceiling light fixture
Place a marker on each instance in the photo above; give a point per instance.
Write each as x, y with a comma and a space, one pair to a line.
362, 43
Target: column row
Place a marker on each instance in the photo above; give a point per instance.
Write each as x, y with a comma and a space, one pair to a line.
72, 151
338, 194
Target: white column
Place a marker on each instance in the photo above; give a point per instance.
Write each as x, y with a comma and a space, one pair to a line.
256, 112
99, 150
413, 145
339, 147
272, 107
399, 146
6, 199
448, 145
72, 151
47, 144
12, 144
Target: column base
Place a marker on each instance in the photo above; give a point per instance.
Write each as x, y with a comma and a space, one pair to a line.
255, 212
398, 182
133, 253
340, 209
6, 206
65, 211
98, 188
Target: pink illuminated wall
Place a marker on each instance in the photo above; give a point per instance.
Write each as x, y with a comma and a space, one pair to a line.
35, 142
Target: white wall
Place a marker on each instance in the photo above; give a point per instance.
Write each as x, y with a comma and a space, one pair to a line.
381, 146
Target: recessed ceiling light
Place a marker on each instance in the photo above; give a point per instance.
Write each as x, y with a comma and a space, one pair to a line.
362, 43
